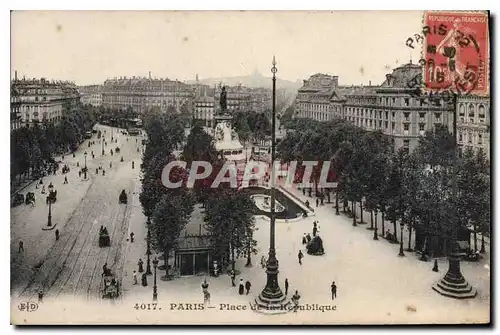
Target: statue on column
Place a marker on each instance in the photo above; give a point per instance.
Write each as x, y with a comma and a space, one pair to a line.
223, 100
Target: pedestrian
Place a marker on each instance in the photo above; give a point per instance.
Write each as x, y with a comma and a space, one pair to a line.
21, 246
286, 286
141, 265
300, 255
134, 278
43, 189
40, 295
103, 172
57, 234
144, 279
315, 224
334, 290
241, 289
304, 239
248, 285
80, 174
308, 237
204, 285
132, 237
315, 230
263, 261
105, 269
317, 202
110, 165
96, 171
233, 277
65, 180
295, 300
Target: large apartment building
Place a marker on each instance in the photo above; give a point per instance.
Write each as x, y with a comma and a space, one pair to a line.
393, 108
40, 100
91, 95
141, 94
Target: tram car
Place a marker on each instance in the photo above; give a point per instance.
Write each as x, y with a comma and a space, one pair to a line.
110, 287
104, 240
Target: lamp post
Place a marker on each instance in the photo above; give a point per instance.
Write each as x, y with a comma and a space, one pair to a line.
155, 293
401, 253
49, 218
272, 298
453, 284
85, 169
103, 145
148, 249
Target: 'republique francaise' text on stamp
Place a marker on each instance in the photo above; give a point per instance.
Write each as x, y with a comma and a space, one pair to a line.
456, 52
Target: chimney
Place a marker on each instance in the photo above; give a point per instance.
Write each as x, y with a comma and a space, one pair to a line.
150, 75
15, 75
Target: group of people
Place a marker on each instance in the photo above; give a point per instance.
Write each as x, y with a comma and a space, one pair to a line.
103, 231
144, 276
242, 286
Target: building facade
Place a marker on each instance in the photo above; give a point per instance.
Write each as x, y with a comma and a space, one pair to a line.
141, 94
204, 110
40, 100
393, 108
91, 95
473, 123
313, 98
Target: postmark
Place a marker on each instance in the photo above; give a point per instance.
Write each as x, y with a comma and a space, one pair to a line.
455, 52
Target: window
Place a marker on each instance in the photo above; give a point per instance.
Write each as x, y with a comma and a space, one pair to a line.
461, 110
393, 126
406, 143
407, 116
421, 127
406, 126
471, 110
480, 139
407, 102
393, 100
437, 116
393, 115
386, 124
460, 137
470, 138
386, 115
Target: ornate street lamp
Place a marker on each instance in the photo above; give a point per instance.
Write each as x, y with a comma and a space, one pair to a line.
401, 253
148, 249
49, 218
155, 292
453, 284
85, 170
272, 299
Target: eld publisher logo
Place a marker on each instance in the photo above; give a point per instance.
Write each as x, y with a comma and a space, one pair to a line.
29, 306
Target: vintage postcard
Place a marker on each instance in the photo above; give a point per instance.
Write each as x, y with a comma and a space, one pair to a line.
250, 167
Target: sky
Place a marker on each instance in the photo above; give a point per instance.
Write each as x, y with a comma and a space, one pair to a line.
89, 47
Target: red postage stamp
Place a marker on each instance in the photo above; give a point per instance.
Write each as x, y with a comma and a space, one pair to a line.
456, 52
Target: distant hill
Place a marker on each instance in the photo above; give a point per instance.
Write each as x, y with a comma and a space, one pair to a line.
253, 81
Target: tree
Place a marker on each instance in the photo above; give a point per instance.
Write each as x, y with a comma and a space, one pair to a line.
229, 219
473, 203
170, 216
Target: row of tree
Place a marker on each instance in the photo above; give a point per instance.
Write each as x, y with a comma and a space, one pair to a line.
228, 213
32, 148
411, 188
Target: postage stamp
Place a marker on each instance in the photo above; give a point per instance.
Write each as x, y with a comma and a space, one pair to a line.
456, 52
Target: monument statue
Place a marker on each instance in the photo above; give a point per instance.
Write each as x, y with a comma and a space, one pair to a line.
223, 100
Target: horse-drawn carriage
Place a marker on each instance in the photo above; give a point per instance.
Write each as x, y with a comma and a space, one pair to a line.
52, 197
122, 199
65, 169
104, 240
315, 246
30, 198
117, 149
110, 286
